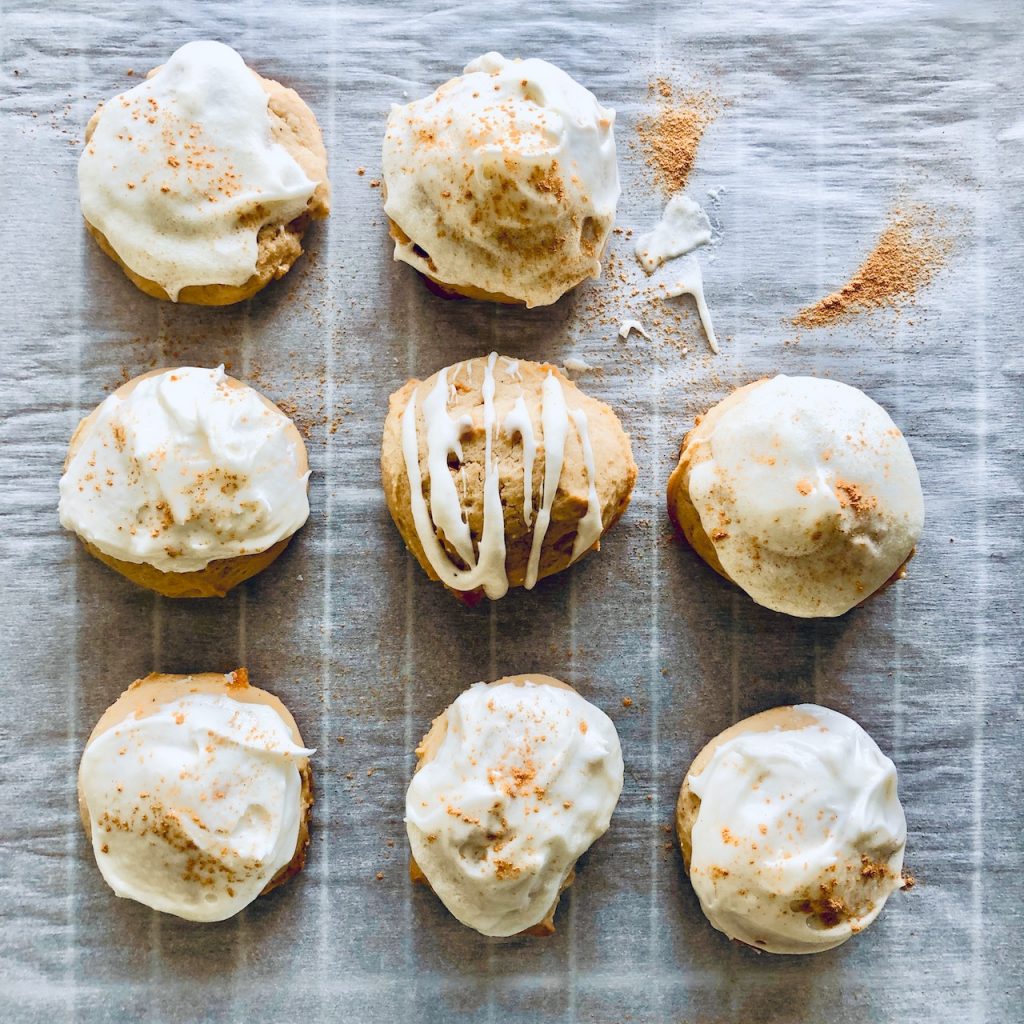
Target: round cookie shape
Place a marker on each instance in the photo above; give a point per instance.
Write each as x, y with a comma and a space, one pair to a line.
502, 184
802, 491
499, 472
201, 181
791, 829
185, 481
195, 794
514, 781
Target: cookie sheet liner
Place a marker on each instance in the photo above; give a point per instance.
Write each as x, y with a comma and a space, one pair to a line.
832, 115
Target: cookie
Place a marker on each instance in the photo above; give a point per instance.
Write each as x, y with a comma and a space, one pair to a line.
802, 491
513, 783
201, 181
502, 184
499, 472
195, 793
791, 830
185, 481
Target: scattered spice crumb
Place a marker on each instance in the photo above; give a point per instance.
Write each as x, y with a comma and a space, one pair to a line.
672, 134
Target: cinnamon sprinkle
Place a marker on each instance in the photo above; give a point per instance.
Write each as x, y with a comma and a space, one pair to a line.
672, 135
905, 258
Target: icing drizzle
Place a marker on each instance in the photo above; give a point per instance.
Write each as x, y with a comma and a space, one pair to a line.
446, 515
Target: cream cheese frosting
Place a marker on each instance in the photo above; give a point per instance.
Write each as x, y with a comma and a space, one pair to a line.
525, 779
184, 467
195, 807
181, 172
799, 837
808, 492
684, 226
504, 180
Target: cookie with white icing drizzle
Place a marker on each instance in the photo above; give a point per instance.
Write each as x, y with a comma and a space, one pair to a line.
499, 472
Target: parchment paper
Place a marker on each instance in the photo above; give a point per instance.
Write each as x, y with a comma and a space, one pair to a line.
833, 113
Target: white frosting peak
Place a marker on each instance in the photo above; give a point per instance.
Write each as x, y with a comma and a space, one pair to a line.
525, 780
504, 179
799, 837
195, 807
182, 171
183, 468
810, 495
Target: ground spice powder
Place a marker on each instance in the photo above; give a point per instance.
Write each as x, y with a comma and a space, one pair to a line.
905, 258
670, 136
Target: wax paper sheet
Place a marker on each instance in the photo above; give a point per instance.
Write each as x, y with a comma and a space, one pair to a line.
830, 116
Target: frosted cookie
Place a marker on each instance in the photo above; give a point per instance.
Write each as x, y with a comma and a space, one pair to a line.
200, 181
792, 830
801, 491
502, 184
195, 794
498, 472
513, 783
185, 481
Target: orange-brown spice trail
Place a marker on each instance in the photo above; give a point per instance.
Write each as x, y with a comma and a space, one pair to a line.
909, 252
671, 136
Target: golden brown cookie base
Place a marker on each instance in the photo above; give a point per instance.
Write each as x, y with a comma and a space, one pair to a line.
147, 695
684, 514
221, 575
427, 751
295, 127
215, 580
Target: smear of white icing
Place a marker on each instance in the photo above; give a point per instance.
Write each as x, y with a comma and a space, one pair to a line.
554, 421
589, 529
577, 365
690, 281
684, 226
632, 325
486, 566
512, 369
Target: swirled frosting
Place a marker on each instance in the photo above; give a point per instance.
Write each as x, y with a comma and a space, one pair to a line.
181, 172
526, 777
503, 180
799, 837
808, 492
196, 806
184, 467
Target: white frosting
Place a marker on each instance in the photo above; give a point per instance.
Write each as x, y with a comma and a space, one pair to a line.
690, 281
504, 179
684, 226
799, 837
526, 778
632, 325
486, 565
196, 807
810, 497
185, 468
182, 171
